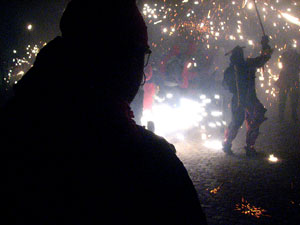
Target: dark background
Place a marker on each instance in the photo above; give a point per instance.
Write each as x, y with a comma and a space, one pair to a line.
15, 15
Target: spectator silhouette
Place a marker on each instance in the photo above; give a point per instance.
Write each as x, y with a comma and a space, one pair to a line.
288, 82
71, 152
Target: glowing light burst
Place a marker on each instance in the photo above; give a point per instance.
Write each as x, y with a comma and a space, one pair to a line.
213, 25
169, 119
22, 61
291, 18
176, 120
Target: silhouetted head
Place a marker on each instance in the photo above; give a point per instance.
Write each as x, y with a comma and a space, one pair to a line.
237, 55
110, 38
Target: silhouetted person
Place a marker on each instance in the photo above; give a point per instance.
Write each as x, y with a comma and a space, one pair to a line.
72, 152
288, 82
240, 80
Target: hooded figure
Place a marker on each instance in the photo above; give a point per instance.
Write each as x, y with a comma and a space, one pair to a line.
239, 77
71, 151
288, 82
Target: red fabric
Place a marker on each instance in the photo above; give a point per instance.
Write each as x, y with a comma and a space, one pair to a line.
254, 116
126, 111
149, 92
187, 75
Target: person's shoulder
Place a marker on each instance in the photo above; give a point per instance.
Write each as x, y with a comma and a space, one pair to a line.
46, 61
158, 142
50, 50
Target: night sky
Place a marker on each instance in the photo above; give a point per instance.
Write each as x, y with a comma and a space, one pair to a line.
15, 15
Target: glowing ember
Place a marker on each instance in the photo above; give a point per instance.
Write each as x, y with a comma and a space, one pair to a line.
248, 209
215, 190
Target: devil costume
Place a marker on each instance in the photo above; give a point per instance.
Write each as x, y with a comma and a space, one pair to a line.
245, 106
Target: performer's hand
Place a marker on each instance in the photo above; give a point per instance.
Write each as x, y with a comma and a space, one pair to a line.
265, 42
267, 51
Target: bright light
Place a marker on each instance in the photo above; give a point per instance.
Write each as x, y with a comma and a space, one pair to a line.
21, 73
213, 144
169, 95
216, 113
170, 119
272, 158
202, 97
217, 97
207, 101
291, 18
250, 5
212, 125
29, 27
159, 99
180, 137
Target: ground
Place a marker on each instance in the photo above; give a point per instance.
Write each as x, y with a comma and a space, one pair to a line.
239, 190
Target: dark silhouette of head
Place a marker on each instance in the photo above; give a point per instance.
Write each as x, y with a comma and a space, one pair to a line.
110, 38
237, 55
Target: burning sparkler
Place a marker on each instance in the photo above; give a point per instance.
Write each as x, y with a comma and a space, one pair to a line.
210, 25
216, 24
